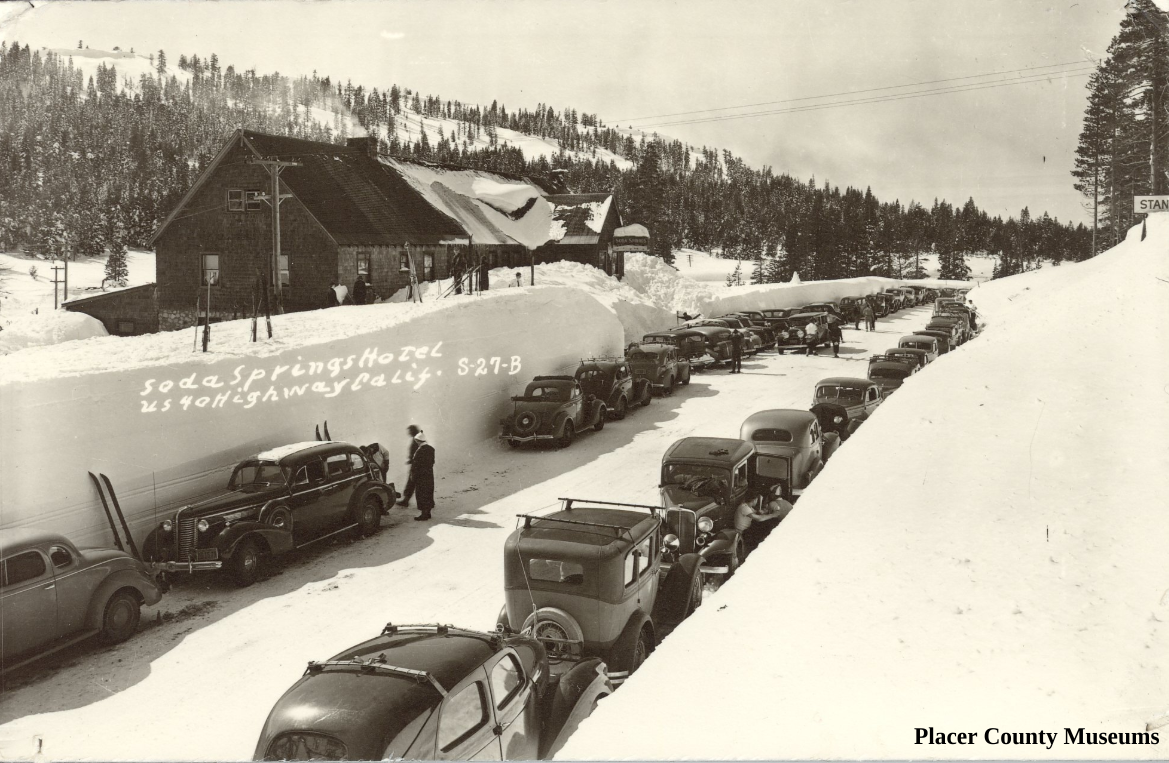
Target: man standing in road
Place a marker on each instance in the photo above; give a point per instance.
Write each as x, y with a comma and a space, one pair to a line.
736, 352
870, 318
835, 335
422, 475
412, 432
812, 336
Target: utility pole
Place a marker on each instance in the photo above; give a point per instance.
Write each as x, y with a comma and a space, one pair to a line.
274, 168
56, 281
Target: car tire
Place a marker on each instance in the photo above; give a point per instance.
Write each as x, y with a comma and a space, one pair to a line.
647, 396
567, 435
120, 619
280, 518
602, 414
620, 412
687, 379
696, 589
735, 558
245, 563
668, 388
369, 515
641, 650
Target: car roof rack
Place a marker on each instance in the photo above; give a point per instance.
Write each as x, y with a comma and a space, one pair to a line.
377, 665
566, 505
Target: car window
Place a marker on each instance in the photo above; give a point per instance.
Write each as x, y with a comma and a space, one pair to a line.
316, 470
872, 394
630, 568
463, 713
23, 567
356, 462
338, 465
740, 476
555, 571
815, 432
771, 435
60, 557
646, 550
507, 678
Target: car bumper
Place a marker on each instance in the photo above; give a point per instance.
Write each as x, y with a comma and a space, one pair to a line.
190, 566
529, 438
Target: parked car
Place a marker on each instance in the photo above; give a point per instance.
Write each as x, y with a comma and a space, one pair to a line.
752, 341
658, 366
433, 692
552, 408
943, 338
717, 338
53, 595
274, 502
756, 325
774, 314
896, 299
927, 344
921, 294
850, 308
858, 397
793, 436
690, 344
918, 358
890, 372
965, 312
908, 296
957, 327
830, 308
703, 481
879, 303
612, 381
793, 336
586, 581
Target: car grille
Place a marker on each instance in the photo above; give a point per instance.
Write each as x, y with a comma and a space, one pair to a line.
185, 537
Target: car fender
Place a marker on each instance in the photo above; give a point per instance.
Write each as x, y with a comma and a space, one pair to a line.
596, 411
558, 420
674, 593
628, 638
577, 693
276, 540
643, 388
723, 544
152, 547
145, 589
380, 489
831, 443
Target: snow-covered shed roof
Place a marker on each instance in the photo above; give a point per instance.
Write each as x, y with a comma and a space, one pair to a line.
579, 218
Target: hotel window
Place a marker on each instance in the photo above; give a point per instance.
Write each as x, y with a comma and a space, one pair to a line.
235, 200
254, 203
210, 270
428, 267
363, 264
404, 261
284, 279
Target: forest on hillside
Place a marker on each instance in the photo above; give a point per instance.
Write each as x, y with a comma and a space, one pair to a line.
1123, 149
93, 164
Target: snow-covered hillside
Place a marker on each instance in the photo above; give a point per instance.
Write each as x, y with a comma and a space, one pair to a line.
988, 551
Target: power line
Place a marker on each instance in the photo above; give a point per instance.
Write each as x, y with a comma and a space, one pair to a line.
879, 99
850, 92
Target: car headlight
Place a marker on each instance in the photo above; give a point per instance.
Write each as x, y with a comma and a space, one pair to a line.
203, 525
671, 542
705, 525
167, 525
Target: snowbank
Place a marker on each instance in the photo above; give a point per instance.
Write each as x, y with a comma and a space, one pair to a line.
50, 328
164, 422
987, 552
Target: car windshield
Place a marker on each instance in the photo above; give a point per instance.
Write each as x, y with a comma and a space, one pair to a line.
888, 373
555, 571
257, 475
548, 393
836, 392
659, 339
919, 346
771, 435
696, 478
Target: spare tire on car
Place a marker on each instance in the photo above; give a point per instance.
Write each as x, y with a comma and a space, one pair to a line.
526, 424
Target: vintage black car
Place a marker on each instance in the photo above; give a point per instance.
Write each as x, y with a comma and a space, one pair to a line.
954, 326
552, 409
586, 581
792, 334
53, 594
850, 308
792, 436
825, 307
879, 303
612, 381
943, 337
921, 343
690, 344
433, 692
752, 340
890, 372
275, 501
858, 397
756, 324
917, 357
774, 314
717, 338
659, 366
896, 299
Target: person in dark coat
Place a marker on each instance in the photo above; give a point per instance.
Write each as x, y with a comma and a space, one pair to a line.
422, 474
359, 290
407, 492
736, 352
835, 336
331, 299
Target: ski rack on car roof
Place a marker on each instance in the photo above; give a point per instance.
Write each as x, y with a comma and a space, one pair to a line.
566, 505
376, 666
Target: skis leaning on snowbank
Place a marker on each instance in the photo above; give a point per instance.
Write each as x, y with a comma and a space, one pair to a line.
987, 552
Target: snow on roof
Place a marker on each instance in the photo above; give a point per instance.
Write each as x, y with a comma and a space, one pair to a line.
491, 208
1016, 582
284, 451
578, 218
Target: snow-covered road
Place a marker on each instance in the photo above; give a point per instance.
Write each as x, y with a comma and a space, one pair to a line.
198, 685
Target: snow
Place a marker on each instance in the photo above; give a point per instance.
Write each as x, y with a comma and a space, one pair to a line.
1002, 566
130, 66
505, 197
275, 454
50, 328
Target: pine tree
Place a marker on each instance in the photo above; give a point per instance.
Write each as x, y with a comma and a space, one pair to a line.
161, 66
117, 272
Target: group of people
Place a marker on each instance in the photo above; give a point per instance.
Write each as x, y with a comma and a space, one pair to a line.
812, 338
420, 479
340, 294
867, 315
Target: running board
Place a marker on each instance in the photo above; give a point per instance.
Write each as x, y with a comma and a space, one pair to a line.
84, 635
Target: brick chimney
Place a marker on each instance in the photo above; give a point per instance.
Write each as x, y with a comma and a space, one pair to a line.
368, 144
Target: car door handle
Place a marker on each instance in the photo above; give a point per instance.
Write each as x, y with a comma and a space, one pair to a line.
498, 730
50, 586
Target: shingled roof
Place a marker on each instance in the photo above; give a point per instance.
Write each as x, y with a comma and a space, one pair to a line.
579, 218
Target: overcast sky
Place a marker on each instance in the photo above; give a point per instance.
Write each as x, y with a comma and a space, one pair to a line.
627, 60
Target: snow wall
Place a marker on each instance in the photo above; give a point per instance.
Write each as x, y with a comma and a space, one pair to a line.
166, 423
987, 552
